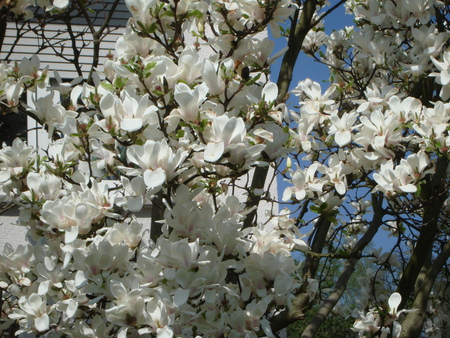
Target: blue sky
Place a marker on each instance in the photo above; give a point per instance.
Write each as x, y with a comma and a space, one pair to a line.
306, 67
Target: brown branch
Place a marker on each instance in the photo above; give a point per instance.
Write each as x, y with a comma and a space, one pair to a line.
299, 29
158, 209
301, 24
321, 315
413, 323
434, 194
320, 234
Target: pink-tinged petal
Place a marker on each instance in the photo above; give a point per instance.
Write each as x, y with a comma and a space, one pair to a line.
131, 125
265, 134
343, 138
42, 323
154, 178
213, 151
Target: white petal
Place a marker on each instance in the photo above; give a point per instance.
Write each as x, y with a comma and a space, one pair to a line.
154, 178
265, 134
107, 105
342, 138
213, 151
165, 332
72, 307
80, 279
180, 297
394, 301
42, 323
34, 181
71, 234
60, 3
131, 125
43, 287
411, 188
135, 203
396, 329
270, 92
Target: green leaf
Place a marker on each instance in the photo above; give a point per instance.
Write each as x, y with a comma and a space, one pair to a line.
180, 133
168, 13
120, 82
107, 86
195, 13
314, 208
150, 66
152, 28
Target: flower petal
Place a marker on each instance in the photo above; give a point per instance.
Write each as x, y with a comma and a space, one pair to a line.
394, 301
154, 178
214, 151
131, 125
42, 323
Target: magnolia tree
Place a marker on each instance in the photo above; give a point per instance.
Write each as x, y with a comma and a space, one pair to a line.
163, 125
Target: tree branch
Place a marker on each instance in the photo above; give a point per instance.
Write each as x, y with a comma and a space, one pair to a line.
349, 267
158, 208
413, 323
299, 29
434, 194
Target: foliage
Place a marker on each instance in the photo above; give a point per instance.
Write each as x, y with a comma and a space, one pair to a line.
334, 326
185, 127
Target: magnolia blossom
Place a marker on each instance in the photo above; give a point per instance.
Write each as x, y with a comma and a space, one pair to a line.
444, 76
157, 161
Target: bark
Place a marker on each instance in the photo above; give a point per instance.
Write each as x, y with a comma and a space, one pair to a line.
97, 34
158, 209
413, 323
319, 318
312, 262
300, 26
434, 194
259, 179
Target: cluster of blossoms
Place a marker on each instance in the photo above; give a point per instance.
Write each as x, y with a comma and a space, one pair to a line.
23, 8
169, 123
376, 321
